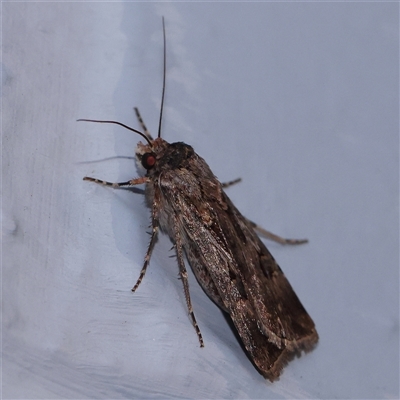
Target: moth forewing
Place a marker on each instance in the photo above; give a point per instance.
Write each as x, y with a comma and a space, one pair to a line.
231, 263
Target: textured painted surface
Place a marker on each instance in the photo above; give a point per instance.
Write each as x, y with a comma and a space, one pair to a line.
300, 100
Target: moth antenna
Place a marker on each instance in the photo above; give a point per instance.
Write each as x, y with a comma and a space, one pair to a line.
163, 86
121, 124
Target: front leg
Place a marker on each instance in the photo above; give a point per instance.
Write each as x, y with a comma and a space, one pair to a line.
119, 185
128, 185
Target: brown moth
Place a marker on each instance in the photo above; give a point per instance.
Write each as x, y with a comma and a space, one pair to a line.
229, 260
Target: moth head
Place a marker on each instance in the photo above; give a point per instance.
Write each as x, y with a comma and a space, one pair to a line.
148, 154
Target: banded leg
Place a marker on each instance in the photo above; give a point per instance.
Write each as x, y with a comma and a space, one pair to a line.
230, 183
154, 231
184, 277
273, 237
141, 122
269, 235
118, 185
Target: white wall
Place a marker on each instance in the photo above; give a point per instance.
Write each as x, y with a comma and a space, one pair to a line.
298, 99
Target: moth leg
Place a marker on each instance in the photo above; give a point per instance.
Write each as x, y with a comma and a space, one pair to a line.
141, 122
262, 231
230, 183
272, 236
118, 185
147, 257
184, 277
154, 231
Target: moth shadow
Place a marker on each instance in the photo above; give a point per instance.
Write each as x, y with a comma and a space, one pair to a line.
288, 357
231, 325
133, 190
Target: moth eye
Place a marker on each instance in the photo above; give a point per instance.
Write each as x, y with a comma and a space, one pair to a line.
148, 160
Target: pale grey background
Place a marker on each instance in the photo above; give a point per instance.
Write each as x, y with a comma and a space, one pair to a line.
298, 99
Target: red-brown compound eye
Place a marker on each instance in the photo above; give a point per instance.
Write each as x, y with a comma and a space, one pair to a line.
148, 160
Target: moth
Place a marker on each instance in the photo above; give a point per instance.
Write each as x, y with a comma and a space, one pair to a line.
231, 263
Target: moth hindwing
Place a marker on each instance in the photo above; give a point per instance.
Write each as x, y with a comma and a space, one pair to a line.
230, 262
